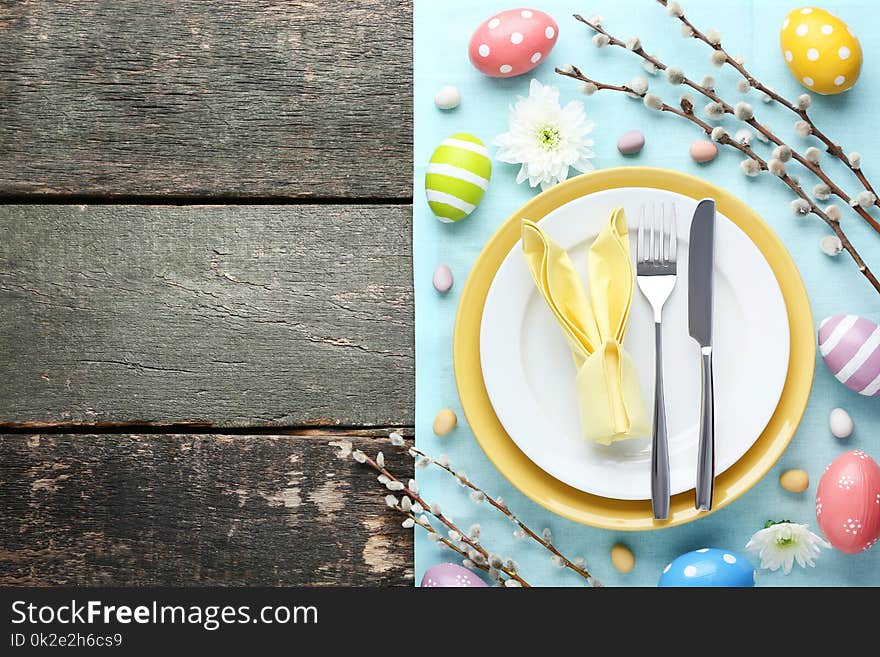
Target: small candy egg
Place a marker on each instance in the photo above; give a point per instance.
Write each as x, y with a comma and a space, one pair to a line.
450, 575
443, 279
445, 421
709, 567
820, 50
622, 558
848, 502
512, 42
794, 481
703, 151
850, 347
448, 98
631, 142
457, 177
840, 423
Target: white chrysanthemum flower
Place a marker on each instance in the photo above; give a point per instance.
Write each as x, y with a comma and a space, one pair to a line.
781, 544
546, 138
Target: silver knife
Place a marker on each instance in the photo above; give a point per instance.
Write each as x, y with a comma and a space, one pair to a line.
700, 265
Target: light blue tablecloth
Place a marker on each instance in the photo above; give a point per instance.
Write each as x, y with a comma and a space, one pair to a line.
441, 35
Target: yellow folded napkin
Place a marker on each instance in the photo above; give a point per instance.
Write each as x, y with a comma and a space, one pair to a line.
608, 390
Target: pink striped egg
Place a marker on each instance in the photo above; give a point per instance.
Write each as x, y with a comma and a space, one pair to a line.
512, 42
850, 347
848, 502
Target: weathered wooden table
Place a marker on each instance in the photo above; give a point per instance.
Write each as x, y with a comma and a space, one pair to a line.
204, 279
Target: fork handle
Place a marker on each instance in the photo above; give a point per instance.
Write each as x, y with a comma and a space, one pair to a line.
706, 455
659, 445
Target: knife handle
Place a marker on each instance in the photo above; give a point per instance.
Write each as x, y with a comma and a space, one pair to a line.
706, 455
659, 444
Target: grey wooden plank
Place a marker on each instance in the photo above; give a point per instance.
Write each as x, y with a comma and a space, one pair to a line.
195, 510
215, 315
185, 97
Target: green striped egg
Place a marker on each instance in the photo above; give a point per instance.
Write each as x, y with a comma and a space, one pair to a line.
458, 175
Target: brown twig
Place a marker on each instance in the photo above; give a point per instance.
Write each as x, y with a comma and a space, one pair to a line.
475, 547
502, 507
832, 147
687, 113
442, 539
729, 109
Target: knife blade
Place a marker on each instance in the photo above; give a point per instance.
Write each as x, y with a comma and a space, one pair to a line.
701, 256
700, 264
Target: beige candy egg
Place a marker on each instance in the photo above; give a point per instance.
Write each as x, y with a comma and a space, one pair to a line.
794, 481
622, 558
445, 421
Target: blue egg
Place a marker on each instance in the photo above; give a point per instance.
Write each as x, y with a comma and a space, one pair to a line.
709, 567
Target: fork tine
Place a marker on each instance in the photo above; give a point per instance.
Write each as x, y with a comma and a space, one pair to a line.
664, 245
673, 237
640, 239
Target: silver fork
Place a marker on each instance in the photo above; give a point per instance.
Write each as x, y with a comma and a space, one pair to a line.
656, 253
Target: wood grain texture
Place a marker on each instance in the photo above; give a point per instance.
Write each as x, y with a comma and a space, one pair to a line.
189, 98
229, 316
196, 510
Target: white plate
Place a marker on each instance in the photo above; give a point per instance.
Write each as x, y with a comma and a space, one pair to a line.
529, 373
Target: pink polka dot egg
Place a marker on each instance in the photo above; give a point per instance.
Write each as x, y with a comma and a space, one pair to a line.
850, 347
513, 42
848, 502
450, 575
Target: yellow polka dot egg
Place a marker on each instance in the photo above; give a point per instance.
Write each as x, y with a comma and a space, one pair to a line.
821, 51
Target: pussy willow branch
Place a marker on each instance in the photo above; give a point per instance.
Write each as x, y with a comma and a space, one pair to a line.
687, 113
832, 147
442, 539
361, 457
502, 507
729, 109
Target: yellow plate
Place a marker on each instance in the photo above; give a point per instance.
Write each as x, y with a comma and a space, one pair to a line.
592, 509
